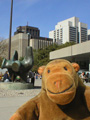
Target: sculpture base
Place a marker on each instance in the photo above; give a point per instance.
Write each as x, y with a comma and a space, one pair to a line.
15, 86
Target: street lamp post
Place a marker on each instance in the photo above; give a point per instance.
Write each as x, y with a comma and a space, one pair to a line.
10, 31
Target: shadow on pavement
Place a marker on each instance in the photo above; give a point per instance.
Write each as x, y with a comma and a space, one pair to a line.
37, 87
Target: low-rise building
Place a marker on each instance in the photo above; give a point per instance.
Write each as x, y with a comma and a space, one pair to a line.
79, 53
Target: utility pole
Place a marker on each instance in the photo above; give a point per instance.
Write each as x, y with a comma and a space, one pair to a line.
10, 31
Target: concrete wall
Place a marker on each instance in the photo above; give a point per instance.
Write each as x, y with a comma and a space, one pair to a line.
34, 43
78, 49
19, 43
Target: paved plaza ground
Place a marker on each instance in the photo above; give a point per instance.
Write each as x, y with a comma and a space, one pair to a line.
9, 104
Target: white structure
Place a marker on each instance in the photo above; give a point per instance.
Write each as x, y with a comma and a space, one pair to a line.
69, 30
79, 53
88, 32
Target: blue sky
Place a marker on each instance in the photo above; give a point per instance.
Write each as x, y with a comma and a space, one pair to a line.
44, 14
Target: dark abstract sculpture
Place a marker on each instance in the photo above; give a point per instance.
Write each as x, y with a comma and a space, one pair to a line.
19, 68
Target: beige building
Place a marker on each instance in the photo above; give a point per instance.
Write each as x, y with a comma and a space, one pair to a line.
20, 41
79, 53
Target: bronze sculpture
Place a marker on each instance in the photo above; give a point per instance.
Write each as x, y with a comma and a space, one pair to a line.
19, 68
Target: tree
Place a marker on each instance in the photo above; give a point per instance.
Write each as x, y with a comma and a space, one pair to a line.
3, 50
41, 56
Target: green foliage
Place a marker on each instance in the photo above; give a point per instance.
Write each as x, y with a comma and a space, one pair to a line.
67, 44
41, 56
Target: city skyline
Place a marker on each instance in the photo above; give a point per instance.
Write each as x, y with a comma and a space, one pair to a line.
42, 14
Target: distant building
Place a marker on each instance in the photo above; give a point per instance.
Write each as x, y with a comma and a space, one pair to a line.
33, 31
27, 36
69, 30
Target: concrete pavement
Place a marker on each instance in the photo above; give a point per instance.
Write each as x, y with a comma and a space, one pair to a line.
8, 105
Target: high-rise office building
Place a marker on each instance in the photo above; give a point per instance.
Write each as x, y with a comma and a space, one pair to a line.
69, 30
33, 31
